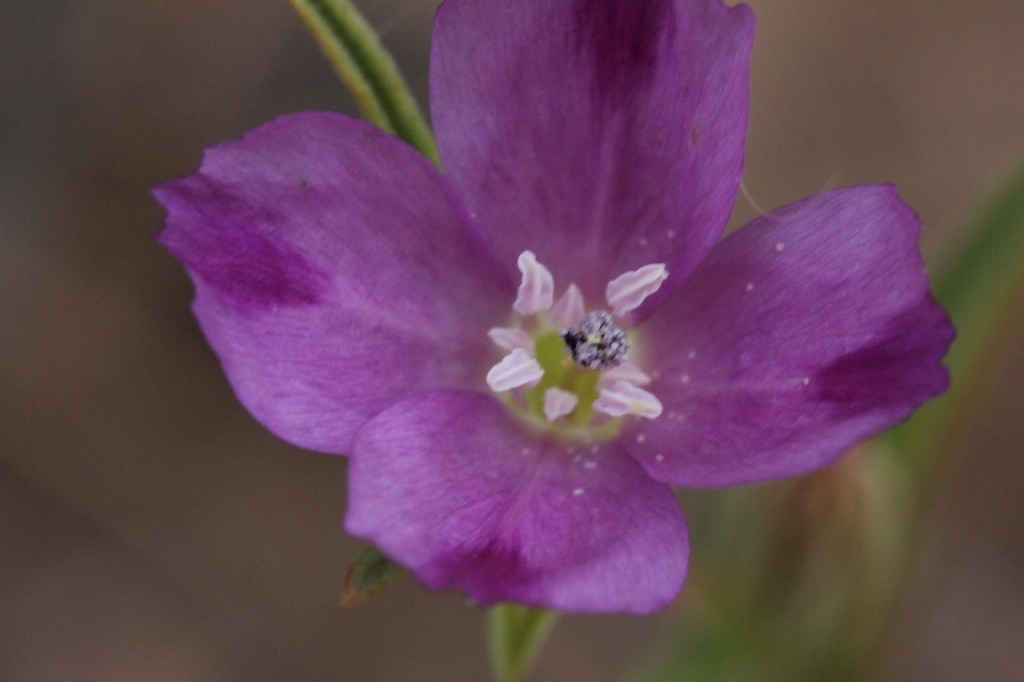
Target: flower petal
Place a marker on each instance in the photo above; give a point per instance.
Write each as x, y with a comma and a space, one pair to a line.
335, 274
602, 134
805, 332
464, 494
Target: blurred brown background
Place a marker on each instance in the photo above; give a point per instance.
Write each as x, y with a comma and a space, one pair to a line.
151, 530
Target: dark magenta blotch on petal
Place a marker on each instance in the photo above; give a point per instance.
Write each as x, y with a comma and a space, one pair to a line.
249, 267
852, 382
621, 39
336, 274
466, 495
495, 561
802, 334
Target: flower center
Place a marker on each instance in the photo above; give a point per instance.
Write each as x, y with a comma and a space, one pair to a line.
569, 369
565, 377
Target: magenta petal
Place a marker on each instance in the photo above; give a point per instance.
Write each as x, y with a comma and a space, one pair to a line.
467, 496
805, 332
602, 134
335, 274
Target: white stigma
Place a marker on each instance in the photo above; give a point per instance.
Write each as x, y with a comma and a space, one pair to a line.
627, 291
627, 371
624, 398
558, 403
511, 338
569, 309
516, 369
537, 290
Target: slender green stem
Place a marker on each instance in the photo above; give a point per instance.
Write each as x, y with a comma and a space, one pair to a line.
368, 70
516, 636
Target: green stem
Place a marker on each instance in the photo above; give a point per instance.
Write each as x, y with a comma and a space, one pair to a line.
368, 70
516, 636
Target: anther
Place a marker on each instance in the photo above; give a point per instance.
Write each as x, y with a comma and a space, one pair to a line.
627, 291
537, 290
516, 369
511, 338
627, 371
568, 310
624, 398
558, 403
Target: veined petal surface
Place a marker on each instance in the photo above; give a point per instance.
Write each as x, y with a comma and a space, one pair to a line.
453, 486
602, 134
803, 333
336, 273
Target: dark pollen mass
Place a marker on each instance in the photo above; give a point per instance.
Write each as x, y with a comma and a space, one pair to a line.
597, 343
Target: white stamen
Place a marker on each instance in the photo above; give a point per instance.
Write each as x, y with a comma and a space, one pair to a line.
538, 287
558, 403
624, 398
516, 369
627, 371
511, 338
627, 291
569, 309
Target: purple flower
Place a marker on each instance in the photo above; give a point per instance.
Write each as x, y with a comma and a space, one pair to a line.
519, 444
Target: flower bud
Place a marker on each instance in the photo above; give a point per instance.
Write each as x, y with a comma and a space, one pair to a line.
804, 571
